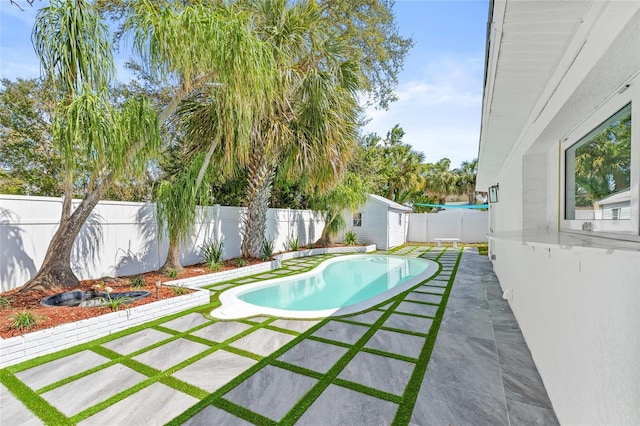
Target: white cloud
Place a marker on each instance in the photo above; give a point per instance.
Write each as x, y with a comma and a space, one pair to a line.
438, 108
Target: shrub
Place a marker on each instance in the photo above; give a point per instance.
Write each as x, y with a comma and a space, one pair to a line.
292, 243
241, 262
115, 303
179, 291
350, 238
267, 249
23, 320
212, 253
137, 281
171, 273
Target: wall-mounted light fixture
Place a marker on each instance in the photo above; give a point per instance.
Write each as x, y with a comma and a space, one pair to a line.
493, 193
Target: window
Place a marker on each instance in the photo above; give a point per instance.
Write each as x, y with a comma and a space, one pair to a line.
598, 175
400, 219
357, 219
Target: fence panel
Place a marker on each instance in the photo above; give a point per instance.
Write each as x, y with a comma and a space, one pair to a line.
122, 238
468, 225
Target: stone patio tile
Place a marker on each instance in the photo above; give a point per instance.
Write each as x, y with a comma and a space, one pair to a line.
525, 385
408, 323
215, 416
439, 404
475, 373
417, 309
341, 332
14, 412
258, 319
136, 341
426, 298
186, 322
378, 372
172, 353
263, 342
272, 391
385, 307
214, 371
267, 276
221, 331
246, 281
92, 389
431, 289
366, 318
396, 343
313, 355
222, 287
154, 405
468, 347
294, 325
525, 414
54, 371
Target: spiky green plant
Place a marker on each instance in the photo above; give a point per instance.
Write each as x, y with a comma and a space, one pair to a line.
350, 238
171, 273
212, 252
137, 281
4, 303
292, 243
115, 303
241, 262
23, 320
179, 291
267, 249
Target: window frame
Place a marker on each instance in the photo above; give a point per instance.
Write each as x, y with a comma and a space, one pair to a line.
357, 222
618, 229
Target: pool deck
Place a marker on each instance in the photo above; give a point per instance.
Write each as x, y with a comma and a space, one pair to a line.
377, 367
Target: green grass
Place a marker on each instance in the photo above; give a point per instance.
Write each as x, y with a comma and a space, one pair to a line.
50, 415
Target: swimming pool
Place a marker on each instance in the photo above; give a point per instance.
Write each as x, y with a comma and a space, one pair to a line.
338, 286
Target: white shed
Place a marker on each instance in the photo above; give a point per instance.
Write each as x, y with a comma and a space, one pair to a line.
379, 221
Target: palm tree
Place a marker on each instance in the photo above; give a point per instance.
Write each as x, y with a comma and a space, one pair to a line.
439, 180
75, 54
466, 179
228, 74
311, 125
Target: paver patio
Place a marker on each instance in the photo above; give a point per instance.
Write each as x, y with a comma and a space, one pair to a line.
377, 367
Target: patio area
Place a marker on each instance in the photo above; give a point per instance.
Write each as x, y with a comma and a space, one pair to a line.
448, 351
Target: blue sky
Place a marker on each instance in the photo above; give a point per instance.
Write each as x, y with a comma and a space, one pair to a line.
439, 90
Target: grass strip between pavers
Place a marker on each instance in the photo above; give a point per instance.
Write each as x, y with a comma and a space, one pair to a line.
50, 415
403, 415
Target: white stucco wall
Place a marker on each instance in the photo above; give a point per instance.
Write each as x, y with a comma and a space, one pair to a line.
575, 296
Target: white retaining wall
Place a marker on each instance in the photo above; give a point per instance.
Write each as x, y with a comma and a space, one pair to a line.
31, 345
471, 226
121, 238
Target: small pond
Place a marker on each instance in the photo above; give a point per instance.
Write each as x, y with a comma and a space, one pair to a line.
85, 299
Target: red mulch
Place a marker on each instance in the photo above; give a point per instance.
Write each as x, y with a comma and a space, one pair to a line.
51, 316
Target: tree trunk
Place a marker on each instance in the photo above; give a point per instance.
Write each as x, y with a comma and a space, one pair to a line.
56, 267
173, 256
325, 239
261, 175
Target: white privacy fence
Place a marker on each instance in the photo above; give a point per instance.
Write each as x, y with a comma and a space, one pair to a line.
471, 226
122, 238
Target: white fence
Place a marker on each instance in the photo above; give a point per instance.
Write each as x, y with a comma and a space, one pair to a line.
121, 238
471, 226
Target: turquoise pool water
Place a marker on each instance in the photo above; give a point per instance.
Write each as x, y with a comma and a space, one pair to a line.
340, 283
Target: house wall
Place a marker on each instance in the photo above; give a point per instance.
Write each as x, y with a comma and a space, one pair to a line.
576, 296
397, 231
122, 238
374, 225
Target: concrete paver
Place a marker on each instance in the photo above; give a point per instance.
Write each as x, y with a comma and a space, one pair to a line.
264, 392
480, 370
14, 412
214, 371
154, 405
341, 406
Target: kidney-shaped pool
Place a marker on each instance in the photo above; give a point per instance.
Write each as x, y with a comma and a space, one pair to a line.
338, 286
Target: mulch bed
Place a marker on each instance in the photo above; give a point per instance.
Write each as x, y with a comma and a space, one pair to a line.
49, 316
